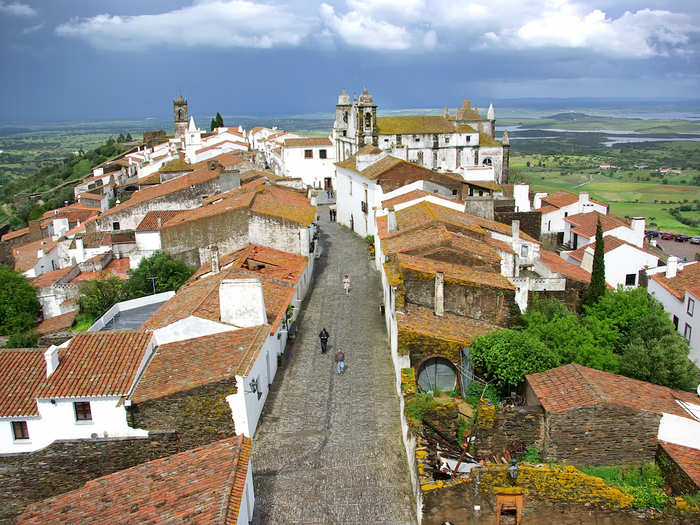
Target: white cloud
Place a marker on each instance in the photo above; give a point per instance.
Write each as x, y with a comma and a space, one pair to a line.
357, 29
218, 23
32, 29
17, 9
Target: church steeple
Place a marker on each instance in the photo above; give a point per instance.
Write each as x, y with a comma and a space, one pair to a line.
180, 114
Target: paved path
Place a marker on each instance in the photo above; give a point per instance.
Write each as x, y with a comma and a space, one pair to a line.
328, 448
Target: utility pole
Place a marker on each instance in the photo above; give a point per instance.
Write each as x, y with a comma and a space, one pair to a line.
153, 282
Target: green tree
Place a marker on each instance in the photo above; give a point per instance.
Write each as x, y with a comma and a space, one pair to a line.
506, 356
96, 297
212, 125
597, 287
219, 120
169, 275
23, 340
19, 307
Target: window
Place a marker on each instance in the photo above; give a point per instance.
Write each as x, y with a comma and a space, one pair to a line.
630, 279
398, 140
416, 138
454, 192
82, 411
687, 332
115, 225
350, 184
524, 250
19, 430
691, 306
420, 157
566, 214
368, 121
322, 154
447, 140
675, 321
308, 154
468, 139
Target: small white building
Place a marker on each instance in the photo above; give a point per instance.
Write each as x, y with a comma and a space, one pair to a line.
624, 262
580, 229
73, 391
38, 257
558, 206
677, 287
311, 160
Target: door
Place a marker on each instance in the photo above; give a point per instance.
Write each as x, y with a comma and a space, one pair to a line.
437, 373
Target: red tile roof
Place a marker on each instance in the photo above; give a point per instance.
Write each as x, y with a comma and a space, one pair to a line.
57, 323
25, 256
565, 198
307, 142
118, 268
585, 223
574, 386
569, 270
17, 233
456, 272
150, 221
50, 278
202, 485
220, 144
686, 278
74, 213
97, 364
199, 296
610, 243
22, 371
184, 365
687, 458
413, 195
449, 327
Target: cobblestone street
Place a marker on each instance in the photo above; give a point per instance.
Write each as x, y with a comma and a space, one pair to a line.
328, 448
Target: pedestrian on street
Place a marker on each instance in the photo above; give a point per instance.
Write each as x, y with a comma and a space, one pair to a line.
346, 284
328, 193
340, 361
324, 340
330, 214
333, 212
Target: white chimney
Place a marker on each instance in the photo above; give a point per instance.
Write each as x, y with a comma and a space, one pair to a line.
638, 224
537, 200
51, 357
671, 267
215, 262
439, 294
242, 303
582, 200
515, 227
587, 261
391, 226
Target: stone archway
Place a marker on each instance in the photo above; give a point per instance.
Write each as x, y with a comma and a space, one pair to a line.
437, 373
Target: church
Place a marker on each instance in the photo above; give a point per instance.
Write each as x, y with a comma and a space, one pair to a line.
462, 143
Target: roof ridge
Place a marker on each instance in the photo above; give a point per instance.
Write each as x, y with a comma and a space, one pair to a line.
600, 394
230, 482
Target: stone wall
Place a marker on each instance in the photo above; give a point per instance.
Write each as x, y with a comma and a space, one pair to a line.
67, 464
479, 207
601, 434
674, 475
530, 221
200, 415
512, 428
570, 296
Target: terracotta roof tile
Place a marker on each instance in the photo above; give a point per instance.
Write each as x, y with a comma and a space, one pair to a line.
57, 323
97, 364
419, 124
201, 485
17, 233
687, 458
307, 142
585, 223
610, 243
284, 203
455, 272
413, 195
448, 327
574, 386
150, 221
25, 256
50, 278
176, 165
560, 199
686, 278
569, 270
184, 365
118, 268
22, 372
220, 144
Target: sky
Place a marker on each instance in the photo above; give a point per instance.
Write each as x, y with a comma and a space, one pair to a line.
106, 59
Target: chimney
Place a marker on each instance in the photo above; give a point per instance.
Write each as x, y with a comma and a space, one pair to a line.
671, 267
652, 242
159, 221
515, 226
242, 303
229, 179
537, 200
439, 294
582, 199
638, 224
587, 261
51, 357
215, 263
391, 226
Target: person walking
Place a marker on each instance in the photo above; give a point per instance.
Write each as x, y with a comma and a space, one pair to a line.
333, 212
328, 193
330, 214
346, 284
340, 361
323, 336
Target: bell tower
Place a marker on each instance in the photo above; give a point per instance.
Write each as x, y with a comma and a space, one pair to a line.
180, 114
367, 119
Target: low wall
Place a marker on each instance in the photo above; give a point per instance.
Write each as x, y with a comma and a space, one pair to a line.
675, 476
129, 305
66, 465
512, 427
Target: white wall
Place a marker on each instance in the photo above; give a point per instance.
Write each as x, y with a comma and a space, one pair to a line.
626, 260
57, 421
312, 171
245, 511
148, 241
349, 203
47, 262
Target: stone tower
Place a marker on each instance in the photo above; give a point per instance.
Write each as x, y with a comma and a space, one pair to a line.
367, 119
342, 114
180, 114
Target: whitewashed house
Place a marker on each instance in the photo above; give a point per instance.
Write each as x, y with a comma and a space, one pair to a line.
558, 206
580, 229
677, 287
311, 160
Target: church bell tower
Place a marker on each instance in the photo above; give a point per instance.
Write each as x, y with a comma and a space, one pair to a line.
180, 114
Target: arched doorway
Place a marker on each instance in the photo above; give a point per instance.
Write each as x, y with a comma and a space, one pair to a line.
437, 373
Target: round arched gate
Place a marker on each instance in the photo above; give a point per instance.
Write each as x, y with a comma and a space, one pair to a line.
437, 373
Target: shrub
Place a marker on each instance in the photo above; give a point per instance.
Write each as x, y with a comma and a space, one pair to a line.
475, 392
644, 483
23, 340
532, 454
417, 406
